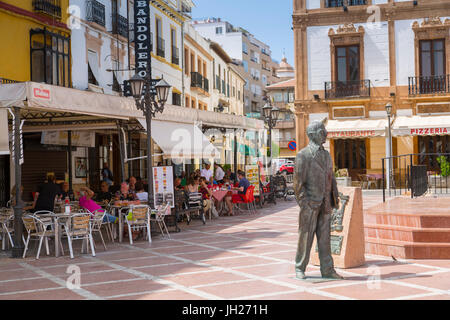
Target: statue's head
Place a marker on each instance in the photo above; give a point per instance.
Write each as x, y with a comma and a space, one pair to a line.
316, 132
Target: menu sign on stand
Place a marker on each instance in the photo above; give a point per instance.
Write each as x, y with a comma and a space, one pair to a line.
163, 189
252, 175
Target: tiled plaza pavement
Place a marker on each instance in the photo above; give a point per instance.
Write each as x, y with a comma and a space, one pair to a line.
241, 257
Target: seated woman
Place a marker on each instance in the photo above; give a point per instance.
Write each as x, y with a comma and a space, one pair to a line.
124, 194
177, 184
104, 195
192, 184
206, 194
66, 193
86, 202
141, 194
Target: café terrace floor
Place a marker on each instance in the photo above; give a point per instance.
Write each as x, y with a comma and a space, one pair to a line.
240, 257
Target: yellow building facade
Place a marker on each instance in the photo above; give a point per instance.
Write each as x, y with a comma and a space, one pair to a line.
49, 19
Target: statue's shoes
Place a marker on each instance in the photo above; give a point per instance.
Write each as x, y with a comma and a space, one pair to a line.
332, 275
300, 275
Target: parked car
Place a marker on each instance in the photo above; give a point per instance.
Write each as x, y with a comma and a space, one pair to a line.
287, 168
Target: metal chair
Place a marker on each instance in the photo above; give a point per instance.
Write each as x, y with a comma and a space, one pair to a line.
97, 223
160, 214
6, 228
37, 229
78, 227
139, 220
195, 204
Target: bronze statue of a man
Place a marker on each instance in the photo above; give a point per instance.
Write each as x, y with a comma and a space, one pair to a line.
316, 193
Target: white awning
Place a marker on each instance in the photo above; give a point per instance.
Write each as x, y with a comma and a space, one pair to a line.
4, 136
181, 141
360, 128
39, 96
421, 126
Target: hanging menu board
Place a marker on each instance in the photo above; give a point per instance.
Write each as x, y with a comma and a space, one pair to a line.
163, 190
252, 175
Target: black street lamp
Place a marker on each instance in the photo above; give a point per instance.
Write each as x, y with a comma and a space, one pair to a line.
388, 108
150, 96
270, 118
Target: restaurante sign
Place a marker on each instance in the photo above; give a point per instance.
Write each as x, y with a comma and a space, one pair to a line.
142, 37
363, 133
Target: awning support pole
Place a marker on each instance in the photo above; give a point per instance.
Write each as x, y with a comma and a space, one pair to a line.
121, 150
130, 164
69, 152
17, 250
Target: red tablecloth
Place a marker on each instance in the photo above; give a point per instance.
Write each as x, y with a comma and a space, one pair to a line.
220, 194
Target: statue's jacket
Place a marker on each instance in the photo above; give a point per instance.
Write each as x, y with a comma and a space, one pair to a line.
314, 181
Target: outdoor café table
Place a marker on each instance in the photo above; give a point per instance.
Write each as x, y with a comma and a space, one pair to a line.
119, 207
220, 195
56, 217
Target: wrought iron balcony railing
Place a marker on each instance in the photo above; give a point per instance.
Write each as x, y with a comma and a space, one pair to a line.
175, 56
341, 3
119, 25
49, 7
95, 12
199, 81
161, 47
342, 89
6, 81
427, 85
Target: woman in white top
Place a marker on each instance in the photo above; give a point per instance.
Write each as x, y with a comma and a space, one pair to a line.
140, 192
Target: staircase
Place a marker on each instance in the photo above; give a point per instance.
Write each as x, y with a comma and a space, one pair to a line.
409, 228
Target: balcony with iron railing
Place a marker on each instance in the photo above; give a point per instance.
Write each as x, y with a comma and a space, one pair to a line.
199, 81
95, 12
429, 85
48, 7
175, 56
161, 47
7, 81
347, 89
341, 3
119, 25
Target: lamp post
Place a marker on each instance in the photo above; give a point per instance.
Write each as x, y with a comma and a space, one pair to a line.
388, 108
270, 118
150, 96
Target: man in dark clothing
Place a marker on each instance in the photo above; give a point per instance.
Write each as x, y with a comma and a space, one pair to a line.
65, 192
242, 189
46, 195
107, 174
104, 195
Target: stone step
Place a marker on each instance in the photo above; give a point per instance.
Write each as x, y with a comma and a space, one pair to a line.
407, 249
410, 234
419, 220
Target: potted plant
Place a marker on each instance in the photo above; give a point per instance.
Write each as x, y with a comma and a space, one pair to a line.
445, 171
342, 178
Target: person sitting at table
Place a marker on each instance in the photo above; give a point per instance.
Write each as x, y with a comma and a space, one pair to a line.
206, 194
124, 194
242, 189
141, 194
183, 178
13, 198
86, 202
46, 194
104, 195
132, 184
219, 173
177, 184
193, 184
230, 175
66, 193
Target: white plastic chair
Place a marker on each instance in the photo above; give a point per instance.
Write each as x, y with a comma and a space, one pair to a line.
160, 213
37, 229
140, 220
78, 227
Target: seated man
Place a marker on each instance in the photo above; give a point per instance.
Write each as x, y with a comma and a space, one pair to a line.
66, 193
87, 203
242, 189
104, 195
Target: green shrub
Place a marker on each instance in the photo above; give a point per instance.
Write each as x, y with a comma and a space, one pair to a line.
445, 166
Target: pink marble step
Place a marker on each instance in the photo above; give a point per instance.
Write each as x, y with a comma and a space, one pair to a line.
409, 234
407, 250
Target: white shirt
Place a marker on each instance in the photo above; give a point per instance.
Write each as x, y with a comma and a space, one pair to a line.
219, 174
206, 173
142, 196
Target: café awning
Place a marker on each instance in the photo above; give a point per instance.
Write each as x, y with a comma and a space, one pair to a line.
421, 126
181, 140
358, 128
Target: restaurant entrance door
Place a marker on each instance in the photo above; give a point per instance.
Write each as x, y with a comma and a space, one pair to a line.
350, 154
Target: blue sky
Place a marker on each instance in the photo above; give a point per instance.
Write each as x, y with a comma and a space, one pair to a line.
269, 21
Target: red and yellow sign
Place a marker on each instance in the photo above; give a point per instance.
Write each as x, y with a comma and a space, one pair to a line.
429, 131
347, 134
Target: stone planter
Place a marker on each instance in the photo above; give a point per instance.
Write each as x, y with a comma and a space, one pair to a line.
439, 181
344, 181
